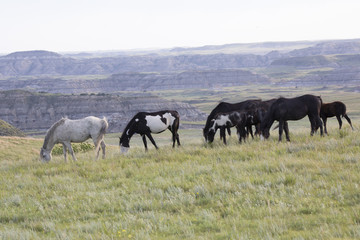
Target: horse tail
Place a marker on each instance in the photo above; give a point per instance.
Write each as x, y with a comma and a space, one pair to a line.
321, 101
176, 121
104, 127
343, 109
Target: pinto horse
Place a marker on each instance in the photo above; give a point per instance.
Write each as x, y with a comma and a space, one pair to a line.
284, 109
145, 123
337, 109
225, 107
227, 120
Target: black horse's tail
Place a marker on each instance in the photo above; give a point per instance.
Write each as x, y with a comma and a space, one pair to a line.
321, 101
342, 109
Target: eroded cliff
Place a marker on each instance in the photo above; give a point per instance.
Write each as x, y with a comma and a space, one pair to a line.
35, 112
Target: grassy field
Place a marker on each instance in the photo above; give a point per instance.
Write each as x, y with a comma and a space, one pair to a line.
306, 189
207, 99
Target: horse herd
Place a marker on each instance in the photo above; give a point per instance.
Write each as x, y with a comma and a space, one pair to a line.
243, 115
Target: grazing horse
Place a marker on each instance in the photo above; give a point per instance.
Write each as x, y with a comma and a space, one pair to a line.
227, 120
66, 131
284, 109
337, 109
145, 123
225, 107
257, 113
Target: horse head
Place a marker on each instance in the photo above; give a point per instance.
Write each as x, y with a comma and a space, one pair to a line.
205, 134
124, 144
45, 155
265, 133
210, 133
265, 126
206, 130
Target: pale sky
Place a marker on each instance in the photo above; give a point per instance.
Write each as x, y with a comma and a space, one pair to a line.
91, 25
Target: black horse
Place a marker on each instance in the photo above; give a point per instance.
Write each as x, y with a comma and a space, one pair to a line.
333, 109
256, 114
227, 120
145, 123
284, 109
225, 107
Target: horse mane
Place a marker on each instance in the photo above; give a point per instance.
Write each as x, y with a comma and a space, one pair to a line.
51, 131
213, 113
130, 123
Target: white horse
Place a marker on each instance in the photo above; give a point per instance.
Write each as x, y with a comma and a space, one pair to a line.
66, 131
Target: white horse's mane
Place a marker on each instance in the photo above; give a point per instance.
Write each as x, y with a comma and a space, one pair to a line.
50, 132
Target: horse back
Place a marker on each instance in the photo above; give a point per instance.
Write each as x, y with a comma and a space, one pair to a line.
295, 108
225, 107
155, 121
77, 130
333, 109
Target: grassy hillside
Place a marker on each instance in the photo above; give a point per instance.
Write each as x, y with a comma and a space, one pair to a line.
8, 130
306, 189
207, 99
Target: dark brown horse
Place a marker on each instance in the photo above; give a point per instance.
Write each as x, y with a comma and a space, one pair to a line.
333, 109
256, 114
284, 109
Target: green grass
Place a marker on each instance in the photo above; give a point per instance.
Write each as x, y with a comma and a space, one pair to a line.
306, 189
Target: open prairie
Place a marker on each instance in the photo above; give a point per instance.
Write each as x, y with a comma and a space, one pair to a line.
306, 189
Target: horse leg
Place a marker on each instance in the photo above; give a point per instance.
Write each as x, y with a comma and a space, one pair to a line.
250, 131
97, 151
229, 131
257, 129
178, 139
312, 125
281, 127
103, 146
242, 133
175, 137
339, 120
68, 145
349, 121
222, 133
97, 143
324, 121
239, 133
65, 152
151, 139
286, 128
319, 124
145, 143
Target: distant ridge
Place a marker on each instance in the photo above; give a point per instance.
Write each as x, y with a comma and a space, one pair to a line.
207, 66
32, 54
211, 57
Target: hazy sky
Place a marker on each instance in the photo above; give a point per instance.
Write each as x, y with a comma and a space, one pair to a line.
90, 25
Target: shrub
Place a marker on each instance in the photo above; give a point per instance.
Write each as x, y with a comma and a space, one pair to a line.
77, 147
